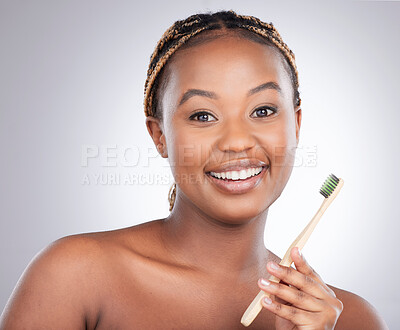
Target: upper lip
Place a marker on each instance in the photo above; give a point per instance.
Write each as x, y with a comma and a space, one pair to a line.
237, 165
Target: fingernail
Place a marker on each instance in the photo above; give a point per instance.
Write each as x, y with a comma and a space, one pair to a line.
267, 301
274, 265
299, 252
264, 282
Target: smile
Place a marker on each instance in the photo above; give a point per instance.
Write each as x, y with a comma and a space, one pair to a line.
237, 175
238, 182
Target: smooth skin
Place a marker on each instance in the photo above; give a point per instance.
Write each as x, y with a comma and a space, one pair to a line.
200, 267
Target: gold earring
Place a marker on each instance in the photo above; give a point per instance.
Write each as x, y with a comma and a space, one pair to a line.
172, 196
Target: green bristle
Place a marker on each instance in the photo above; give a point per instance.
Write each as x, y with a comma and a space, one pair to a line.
329, 186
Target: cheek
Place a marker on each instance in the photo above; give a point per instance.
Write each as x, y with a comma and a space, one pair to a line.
187, 154
280, 143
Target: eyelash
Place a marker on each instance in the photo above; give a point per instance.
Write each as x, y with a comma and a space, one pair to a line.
208, 114
200, 113
266, 108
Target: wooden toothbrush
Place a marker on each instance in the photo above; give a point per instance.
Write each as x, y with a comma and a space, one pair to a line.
329, 190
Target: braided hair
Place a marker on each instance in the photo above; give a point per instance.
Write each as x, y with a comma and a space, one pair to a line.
181, 35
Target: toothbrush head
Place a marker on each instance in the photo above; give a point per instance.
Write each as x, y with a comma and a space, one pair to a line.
329, 186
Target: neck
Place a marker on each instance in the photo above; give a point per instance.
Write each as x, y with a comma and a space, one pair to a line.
212, 246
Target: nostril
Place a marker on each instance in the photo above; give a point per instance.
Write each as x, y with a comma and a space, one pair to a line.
236, 143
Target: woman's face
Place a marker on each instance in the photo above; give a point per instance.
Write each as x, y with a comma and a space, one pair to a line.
227, 114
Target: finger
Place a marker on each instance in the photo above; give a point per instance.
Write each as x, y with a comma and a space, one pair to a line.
294, 278
291, 313
292, 295
303, 267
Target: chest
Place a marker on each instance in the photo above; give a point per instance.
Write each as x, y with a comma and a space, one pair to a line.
173, 300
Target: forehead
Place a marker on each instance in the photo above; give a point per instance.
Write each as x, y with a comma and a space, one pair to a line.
227, 64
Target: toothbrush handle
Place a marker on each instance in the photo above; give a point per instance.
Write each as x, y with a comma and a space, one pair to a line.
255, 307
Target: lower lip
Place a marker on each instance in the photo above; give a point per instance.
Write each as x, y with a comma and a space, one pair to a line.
238, 186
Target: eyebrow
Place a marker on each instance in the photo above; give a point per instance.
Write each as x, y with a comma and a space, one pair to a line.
211, 95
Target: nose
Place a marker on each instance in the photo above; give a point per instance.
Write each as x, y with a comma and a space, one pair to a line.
236, 136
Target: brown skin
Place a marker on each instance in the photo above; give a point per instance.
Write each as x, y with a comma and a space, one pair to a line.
198, 268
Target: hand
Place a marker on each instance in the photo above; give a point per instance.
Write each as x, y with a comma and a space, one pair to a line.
308, 303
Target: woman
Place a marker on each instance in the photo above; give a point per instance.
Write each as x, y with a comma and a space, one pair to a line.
222, 104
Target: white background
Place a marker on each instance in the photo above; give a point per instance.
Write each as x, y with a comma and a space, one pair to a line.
71, 78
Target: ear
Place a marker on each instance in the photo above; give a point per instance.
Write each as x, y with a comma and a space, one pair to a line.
156, 131
297, 119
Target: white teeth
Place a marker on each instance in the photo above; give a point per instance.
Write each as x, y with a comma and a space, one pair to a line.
237, 175
243, 174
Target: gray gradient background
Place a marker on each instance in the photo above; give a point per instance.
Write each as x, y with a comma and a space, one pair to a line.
72, 74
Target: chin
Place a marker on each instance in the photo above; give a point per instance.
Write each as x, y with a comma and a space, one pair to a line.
237, 212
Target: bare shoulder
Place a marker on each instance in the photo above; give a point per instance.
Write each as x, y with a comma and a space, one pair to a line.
61, 286
53, 289
357, 312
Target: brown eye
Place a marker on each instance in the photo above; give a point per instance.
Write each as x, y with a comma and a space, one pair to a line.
264, 112
202, 116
